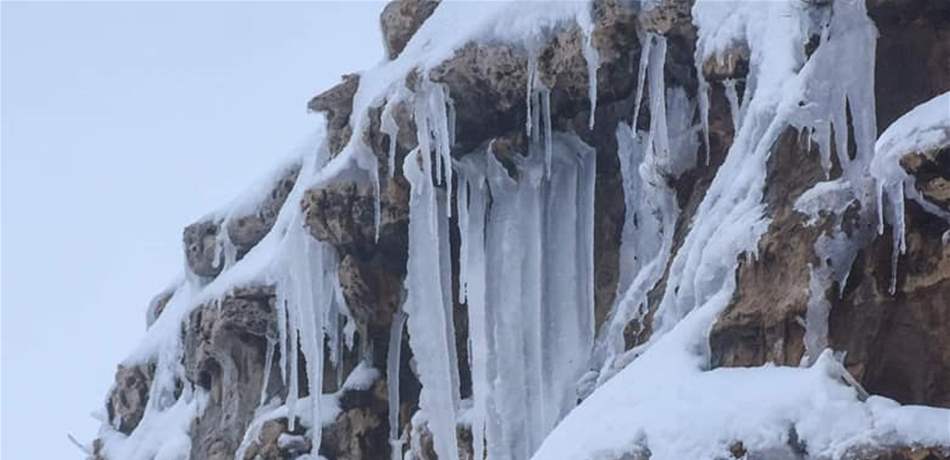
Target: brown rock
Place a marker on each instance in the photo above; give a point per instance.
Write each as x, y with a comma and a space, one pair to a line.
129, 396
400, 20
666, 16
225, 351
762, 324
245, 231
343, 213
487, 84
931, 171
201, 248
337, 104
731, 64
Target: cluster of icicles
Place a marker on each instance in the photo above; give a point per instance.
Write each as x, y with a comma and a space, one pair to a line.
526, 230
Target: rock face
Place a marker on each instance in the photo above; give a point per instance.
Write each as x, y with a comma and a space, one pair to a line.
127, 401
225, 345
897, 344
400, 20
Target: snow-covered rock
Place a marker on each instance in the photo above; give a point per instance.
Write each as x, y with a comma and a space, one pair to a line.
580, 230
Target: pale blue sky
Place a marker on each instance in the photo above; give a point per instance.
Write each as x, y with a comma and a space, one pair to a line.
121, 123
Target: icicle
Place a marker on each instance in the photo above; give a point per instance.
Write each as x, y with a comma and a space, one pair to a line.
389, 127
659, 137
530, 318
548, 134
377, 199
430, 319
593, 63
898, 247
280, 302
733, 98
472, 234
450, 108
268, 365
462, 213
293, 392
529, 91
392, 379
646, 242
645, 52
702, 93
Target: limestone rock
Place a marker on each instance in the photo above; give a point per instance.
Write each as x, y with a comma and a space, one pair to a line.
343, 213
931, 171
666, 16
201, 248
225, 346
246, 230
401, 19
127, 401
337, 104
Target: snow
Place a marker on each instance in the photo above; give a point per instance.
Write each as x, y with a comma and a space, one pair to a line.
663, 401
923, 129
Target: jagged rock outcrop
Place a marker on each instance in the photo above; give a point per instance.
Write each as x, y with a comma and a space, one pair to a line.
127, 401
400, 20
225, 345
897, 343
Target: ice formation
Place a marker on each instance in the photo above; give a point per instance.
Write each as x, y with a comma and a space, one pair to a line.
301, 269
526, 262
527, 277
392, 381
666, 390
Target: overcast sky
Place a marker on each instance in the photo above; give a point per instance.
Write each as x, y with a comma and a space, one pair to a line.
121, 124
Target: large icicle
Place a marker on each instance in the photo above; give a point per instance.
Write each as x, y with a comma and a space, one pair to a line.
473, 206
431, 332
531, 316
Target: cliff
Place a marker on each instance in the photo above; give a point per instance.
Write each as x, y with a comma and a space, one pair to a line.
604, 230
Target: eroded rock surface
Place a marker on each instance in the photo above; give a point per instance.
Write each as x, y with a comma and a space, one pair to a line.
401, 19
128, 399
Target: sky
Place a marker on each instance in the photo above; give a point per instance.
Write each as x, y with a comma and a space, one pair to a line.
121, 123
